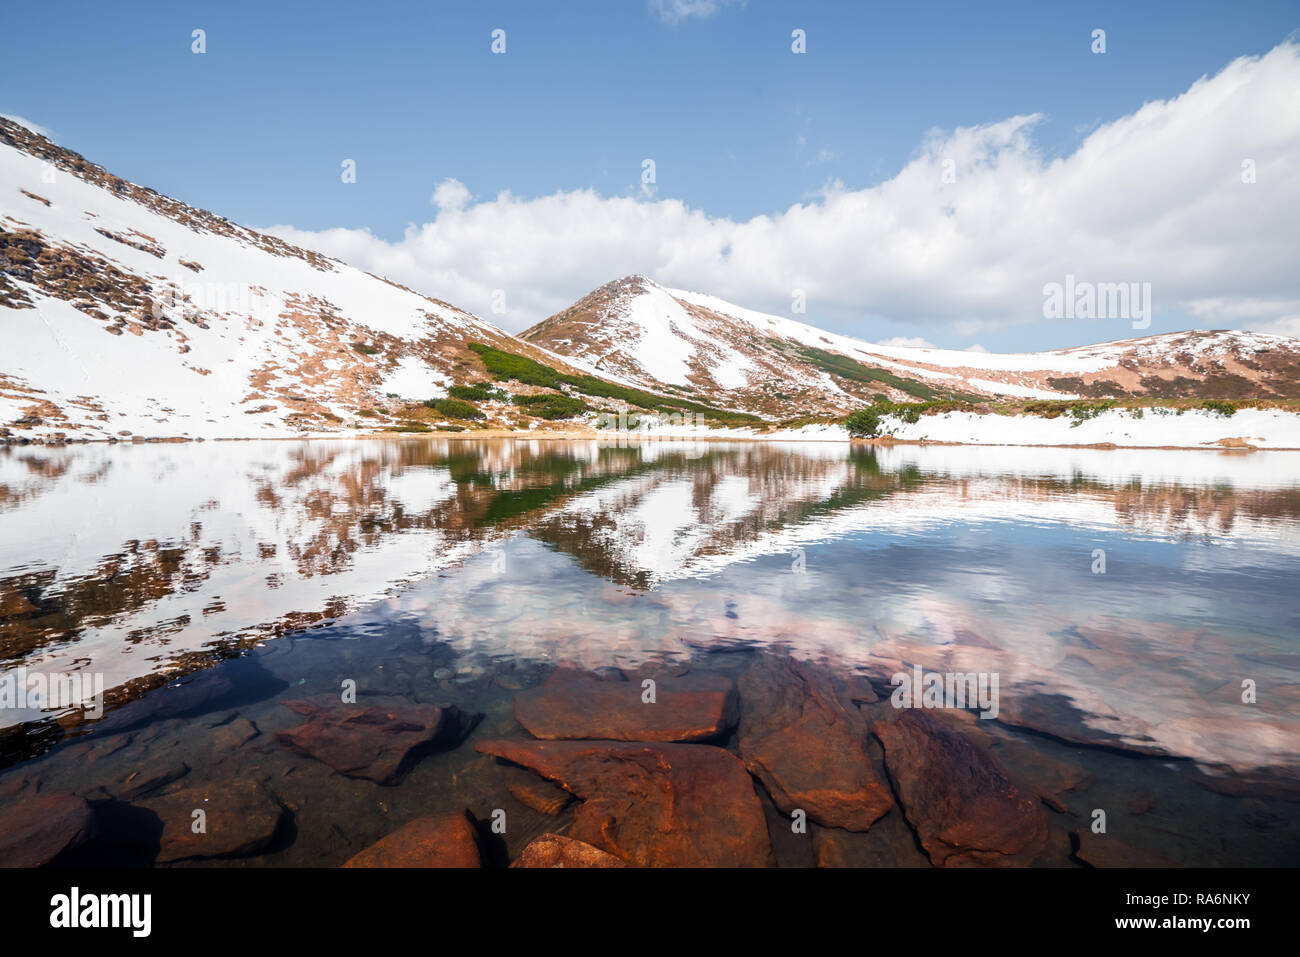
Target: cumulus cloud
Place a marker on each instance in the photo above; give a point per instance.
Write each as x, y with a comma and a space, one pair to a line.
962, 239
673, 12
451, 196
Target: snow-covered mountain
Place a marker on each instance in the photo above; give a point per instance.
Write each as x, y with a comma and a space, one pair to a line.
128, 314
125, 313
696, 344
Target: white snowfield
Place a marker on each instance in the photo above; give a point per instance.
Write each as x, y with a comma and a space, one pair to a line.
1075, 361
266, 334
661, 338
1064, 362
1260, 428
1156, 428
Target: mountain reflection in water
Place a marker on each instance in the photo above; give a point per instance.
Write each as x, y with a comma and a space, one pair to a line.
455, 562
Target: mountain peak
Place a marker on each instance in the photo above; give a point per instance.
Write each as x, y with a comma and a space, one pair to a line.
670, 339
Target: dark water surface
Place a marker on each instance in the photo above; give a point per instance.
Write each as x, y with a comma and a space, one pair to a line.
1126, 601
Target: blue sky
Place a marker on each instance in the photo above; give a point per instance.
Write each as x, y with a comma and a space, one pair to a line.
738, 127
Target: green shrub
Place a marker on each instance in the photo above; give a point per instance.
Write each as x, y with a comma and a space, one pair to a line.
475, 392
1083, 411
551, 405
855, 371
454, 408
1222, 407
364, 349
506, 366
864, 423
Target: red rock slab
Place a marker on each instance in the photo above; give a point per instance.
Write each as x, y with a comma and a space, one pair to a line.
542, 796
805, 739
38, 830
371, 742
239, 819
579, 705
960, 800
441, 840
653, 805
556, 850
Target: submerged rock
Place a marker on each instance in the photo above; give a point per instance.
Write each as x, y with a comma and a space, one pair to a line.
653, 805
556, 850
375, 743
577, 704
542, 796
961, 802
888, 844
238, 819
39, 830
229, 735
803, 736
151, 777
1103, 850
442, 840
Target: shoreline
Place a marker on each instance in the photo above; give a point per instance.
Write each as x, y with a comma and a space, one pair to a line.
1234, 445
1250, 429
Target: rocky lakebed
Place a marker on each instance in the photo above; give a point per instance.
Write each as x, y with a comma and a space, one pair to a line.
744, 758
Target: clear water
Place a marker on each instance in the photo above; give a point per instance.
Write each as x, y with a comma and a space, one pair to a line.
209, 582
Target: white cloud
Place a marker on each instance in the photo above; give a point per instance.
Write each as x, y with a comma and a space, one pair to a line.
673, 12
1156, 196
450, 196
34, 127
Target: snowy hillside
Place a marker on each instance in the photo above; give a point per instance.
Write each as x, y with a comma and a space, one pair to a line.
661, 338
129, 314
